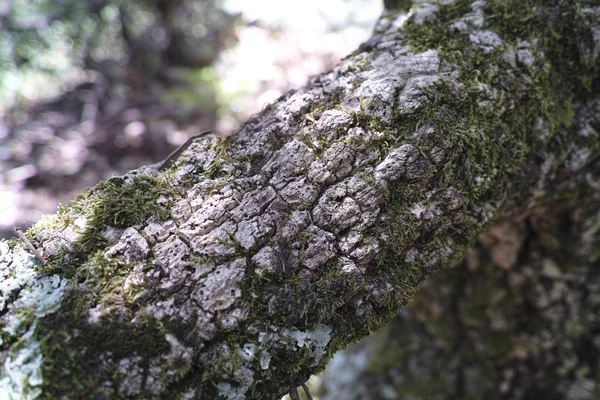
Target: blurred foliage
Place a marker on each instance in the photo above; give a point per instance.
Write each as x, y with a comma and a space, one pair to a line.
48, 46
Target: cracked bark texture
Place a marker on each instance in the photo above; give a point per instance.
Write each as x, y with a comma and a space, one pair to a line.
241, 270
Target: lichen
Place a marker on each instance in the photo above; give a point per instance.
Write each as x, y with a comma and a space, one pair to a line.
29, 297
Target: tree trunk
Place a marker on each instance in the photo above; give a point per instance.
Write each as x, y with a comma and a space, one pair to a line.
242, 269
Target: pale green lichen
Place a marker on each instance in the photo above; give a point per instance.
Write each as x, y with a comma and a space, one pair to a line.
265, 360
316, 340
30, 297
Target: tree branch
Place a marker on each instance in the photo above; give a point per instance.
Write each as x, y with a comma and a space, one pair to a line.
241, 270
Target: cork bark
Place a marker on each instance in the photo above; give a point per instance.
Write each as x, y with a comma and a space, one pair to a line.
246, 266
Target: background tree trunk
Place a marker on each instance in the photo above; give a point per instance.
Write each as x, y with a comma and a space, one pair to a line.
241, 270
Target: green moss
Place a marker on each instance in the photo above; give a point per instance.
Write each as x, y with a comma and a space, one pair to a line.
114, 203
354, 67
304, 138
313, 116
105, 274
300, 305
68, 340
401, 228
188, 180
120, 204
490, 143
60, 334
222, 166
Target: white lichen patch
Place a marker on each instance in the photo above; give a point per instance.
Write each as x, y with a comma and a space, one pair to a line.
265, 360
14, 272
21, 374
28, 297
244, 378
248, 351
315, 340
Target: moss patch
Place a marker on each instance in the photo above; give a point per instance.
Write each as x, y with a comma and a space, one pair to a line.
115, 203
112, 336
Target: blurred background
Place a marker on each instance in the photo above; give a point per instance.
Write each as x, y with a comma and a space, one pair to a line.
93, 88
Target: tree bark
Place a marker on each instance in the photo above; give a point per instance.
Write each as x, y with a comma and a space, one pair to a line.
242, 269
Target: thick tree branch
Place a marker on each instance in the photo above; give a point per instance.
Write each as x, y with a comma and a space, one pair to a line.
241, 270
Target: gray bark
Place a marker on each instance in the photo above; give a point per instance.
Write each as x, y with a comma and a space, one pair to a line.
242, 269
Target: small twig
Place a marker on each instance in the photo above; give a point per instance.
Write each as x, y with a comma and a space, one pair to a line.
172, 158
294, 393
306, 391
24, 239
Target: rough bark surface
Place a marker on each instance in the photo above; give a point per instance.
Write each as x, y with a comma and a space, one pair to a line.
516, 319
242, 269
